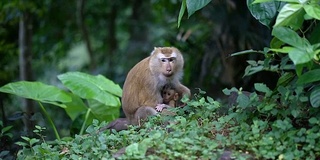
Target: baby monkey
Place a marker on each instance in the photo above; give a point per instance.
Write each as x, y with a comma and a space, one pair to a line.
170, 98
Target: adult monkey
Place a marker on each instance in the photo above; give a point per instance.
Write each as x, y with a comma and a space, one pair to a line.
141, 89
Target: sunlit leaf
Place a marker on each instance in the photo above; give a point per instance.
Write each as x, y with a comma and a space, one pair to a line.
299, 56
290, 15
261, 1
193, 6
92, 87
313, 10
282, 50
37, 91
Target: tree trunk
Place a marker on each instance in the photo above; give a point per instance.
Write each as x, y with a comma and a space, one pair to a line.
85, 34
25, 58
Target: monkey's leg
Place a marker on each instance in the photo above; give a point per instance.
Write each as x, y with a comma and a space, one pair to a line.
142, 113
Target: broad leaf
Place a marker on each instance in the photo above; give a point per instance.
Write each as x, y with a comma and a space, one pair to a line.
288, 36
299, 56
313, 10
290, 15
193, 6
266, 12
309, 77
75, 107
92, 87
315, 97
37, 91
103, 112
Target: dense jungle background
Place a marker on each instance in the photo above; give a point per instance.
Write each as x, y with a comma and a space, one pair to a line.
43, 39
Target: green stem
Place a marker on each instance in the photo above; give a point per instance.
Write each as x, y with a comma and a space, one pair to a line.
85, 121
50, 121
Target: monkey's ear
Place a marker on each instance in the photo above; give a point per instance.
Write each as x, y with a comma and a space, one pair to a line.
176, 97
154, 49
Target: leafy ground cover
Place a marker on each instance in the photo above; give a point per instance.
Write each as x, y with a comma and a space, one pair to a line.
252, 126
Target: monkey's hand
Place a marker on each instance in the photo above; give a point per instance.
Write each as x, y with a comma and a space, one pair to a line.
160, 107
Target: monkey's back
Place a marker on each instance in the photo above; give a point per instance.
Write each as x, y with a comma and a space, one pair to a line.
139, 88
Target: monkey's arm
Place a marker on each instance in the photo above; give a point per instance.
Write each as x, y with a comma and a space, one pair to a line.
183, 90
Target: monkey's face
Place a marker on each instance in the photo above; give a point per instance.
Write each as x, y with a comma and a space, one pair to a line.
167, 61
168, 95
168, 66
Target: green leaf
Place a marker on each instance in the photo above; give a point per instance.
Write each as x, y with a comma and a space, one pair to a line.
290, 15
266, 12
252, 70
315, 97
193, 5
313, 10
92, 87
261, 1
210, 100
313, 120
104, 112
243, 100
295, 113
309, 77
75, 107
299, 69
275, 43
5, 129
246, 52
33, 141
288, 36
37, 91
227, 91
282, 50
262, 88
300, 56
269, 107
285, 79
182, 10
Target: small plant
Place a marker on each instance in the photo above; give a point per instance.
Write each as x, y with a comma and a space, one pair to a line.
6, 139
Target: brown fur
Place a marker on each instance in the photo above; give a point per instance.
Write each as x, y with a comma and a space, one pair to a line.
141, 90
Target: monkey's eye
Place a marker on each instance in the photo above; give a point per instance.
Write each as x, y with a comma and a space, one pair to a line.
163, 60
